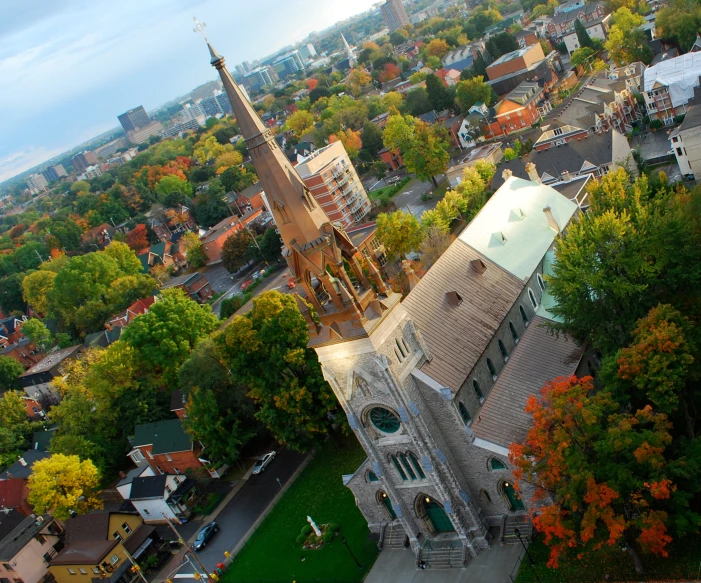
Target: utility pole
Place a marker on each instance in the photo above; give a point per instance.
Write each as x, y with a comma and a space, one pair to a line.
187, 546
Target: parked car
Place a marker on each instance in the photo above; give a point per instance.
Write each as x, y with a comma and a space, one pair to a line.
262, 462
246, 284
204, 536
393, 180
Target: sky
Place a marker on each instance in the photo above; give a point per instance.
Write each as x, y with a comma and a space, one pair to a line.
68, 68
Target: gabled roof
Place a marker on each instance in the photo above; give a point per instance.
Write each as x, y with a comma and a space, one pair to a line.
52, 359
20, 470
21, 535
539, 358
163, 436
148, 487
11, 493
177, 400
524, 236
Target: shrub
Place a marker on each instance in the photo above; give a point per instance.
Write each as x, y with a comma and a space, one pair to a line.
655, 124
306, 530
510, 154
301, 538
230, 305
328, 536
679, 118
333, 527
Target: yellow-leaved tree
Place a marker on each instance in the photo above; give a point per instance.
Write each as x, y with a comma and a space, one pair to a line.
62, 484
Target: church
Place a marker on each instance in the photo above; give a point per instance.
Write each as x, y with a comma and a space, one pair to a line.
433, 384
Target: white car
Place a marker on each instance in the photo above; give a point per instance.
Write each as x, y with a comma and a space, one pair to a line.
393, 180
262, 462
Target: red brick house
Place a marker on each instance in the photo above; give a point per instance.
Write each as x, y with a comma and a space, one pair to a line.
564, 22
213, 240
518, 110
123, 319
13, 495
393, 159
11, 330
24, 352
168, 449
100, 235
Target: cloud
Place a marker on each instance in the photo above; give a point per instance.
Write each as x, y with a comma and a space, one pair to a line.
18, 162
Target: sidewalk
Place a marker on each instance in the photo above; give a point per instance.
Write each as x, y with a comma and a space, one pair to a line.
490, 566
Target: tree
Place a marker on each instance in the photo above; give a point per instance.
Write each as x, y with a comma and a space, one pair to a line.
582, 57
624, 482
398, 36
37, 333
627, 42
127, 261
425, 149
678, 22
438, 94
472, 91
210, 208
137, 238
208, 149
164, 336
501, 44
417, 102
266, 350
434, 244
300, 122
171, 184
269, 245
318, 93
62, 485
358, 81
371, 137
237, 250
36, 288
437, 48
10, 369
194, 250
390, 71
351, 142
582, 35
399, 232
11, 299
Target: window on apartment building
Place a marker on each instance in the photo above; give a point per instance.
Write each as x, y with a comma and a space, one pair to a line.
680, 152
160, 471
117, 536
41, 539
126, 528
96, 570
168, 458
114, 560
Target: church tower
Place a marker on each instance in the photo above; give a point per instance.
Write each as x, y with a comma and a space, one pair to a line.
409, 488
349, 52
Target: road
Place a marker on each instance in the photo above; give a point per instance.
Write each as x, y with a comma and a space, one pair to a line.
242, 511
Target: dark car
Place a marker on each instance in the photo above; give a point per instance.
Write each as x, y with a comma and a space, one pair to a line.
205, 535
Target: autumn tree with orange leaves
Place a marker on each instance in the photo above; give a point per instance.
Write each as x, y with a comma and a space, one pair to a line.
351, 141
603, 475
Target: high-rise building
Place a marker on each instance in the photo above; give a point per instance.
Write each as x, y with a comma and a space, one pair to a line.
83, 160
335, 185
307, 52
288, 64
36, 183
210, 106
224, 104
55, 172
134, 119
141, 135
394, 14
257, 79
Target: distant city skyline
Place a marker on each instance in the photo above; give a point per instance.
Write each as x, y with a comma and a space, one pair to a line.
71, 68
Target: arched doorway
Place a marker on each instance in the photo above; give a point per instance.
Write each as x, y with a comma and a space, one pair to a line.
384, 500
511, 496
433, 513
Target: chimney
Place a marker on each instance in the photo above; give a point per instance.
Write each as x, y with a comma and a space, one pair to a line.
411, 274
532, 172
22, 462
506, 174
552, 223
478, 266
566, 176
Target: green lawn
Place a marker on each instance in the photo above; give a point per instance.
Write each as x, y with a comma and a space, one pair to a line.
389, 191
611, 564
272, 554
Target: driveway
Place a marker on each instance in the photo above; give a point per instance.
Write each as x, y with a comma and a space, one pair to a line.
251, 501
409, 199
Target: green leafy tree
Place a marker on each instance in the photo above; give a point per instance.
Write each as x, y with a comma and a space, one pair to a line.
678, 22
582, 57
172, 184
164, 336
371, 137
266, 350
582, 35
398, 36
300, 122
475, 90
417, 102
11, 299
399, 232
237, 250
439, 95
37, 332
127, 261
270, 245
194, 249
210, 208
36, 288
10, 369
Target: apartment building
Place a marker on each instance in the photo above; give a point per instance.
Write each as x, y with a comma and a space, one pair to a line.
332, 180
395, 15
669, 85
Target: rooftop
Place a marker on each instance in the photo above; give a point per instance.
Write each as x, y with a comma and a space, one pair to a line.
22, 470
680, 74
182, 280
510, 56
148, 487
539, 358
25, 529
163, 436
52, 360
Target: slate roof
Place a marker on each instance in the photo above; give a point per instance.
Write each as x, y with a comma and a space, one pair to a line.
24, 530
138, 537
457, 335
148, 487
429, 117
539, 358
163, 436
133, 473
177, 400
17, 470
52, 360
182, 280
41, 439
563, 17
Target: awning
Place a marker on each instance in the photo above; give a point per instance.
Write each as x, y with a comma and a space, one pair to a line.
142, 548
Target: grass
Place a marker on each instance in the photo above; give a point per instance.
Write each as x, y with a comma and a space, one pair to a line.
272, 553
205, 507
388, 191
611, 564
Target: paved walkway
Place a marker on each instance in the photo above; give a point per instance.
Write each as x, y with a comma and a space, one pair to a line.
491, 566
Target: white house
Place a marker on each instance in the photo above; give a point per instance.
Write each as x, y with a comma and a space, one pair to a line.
596, 29
158, 498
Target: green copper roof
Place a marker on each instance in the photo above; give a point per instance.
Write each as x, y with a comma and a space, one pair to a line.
164, 436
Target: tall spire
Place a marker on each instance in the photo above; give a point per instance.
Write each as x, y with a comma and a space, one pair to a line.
321, 256
349, 51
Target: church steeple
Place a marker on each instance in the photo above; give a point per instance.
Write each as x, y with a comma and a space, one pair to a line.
322, 257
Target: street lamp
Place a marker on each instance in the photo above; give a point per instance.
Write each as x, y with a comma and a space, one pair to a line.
345, 542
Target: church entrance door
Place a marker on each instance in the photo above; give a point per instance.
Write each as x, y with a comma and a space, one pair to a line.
384, 499
514, 500
439, 519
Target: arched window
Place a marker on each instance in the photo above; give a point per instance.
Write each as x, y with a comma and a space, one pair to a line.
478, 390
514, 334
486, 496
400, 348
407, 466
541, 282
492, 370
399, 468
502, 349
523, 315
384, 420
495, 464
531, 296
372, 477
407, 350
463, 413
417, 465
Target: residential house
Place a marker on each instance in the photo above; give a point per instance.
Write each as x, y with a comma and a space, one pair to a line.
159, 498
158, 254
33, 408
123, 319
103, 338
563, 22
168, 449
607, 102
597, 28
462, 57
13, 497
96, 547
669, 85
515, 61
22, 468
194, 284
546, 70
381, 120
213, 240
36, 382
27, 544
685, 141
491, 153
392, 158
569, 6
41, 440
11, 330
459, 132
594, 155
450, 77
505, 23
520, 109
559, 136
252, 199
23, 351
526, 38
100, 235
